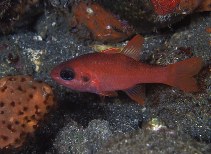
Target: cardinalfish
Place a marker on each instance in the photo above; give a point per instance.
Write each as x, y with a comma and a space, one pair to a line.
107, 72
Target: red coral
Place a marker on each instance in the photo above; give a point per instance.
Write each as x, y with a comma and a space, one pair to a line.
103, 25
163, 7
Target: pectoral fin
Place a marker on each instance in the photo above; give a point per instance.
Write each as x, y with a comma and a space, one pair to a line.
108, 93
137, 93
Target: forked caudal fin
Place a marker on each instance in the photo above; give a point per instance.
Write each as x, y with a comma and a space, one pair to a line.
181, 74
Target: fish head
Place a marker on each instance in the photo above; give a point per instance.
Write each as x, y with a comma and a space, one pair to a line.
74, 75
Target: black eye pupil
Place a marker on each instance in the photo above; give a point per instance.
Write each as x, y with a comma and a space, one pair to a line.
67, 74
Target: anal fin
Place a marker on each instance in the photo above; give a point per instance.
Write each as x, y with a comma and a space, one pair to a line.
137, 93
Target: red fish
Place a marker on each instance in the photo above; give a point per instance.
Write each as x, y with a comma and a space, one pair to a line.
104, 73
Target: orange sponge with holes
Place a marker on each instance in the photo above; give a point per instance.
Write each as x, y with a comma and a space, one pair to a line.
23, 103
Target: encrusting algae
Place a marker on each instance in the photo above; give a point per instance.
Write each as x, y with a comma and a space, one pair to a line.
23, 103
103, 25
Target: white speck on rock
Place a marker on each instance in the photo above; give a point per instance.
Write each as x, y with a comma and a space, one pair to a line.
34, 56
37, 38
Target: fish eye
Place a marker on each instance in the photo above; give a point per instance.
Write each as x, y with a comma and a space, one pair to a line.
67, 74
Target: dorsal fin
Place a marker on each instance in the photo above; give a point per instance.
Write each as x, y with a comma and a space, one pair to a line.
133, 48
111, 50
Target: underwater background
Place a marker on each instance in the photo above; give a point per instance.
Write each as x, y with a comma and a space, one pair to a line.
37, 115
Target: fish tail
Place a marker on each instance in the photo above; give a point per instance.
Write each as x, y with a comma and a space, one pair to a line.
181, 74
